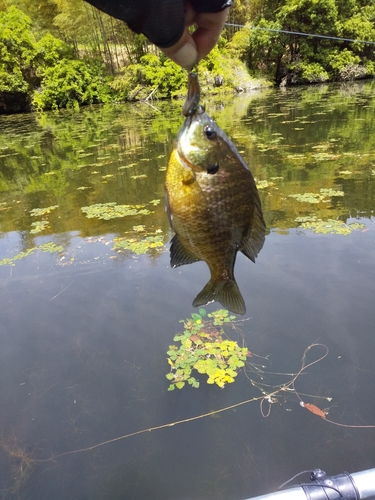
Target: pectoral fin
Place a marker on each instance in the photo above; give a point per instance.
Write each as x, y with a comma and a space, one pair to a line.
254, 241
225, 292
179, 254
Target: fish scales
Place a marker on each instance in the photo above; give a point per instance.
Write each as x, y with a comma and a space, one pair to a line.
213, 205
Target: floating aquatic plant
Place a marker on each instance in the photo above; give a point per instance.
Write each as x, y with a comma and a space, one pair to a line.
37, 212
264, 184
155, 202
307, 197
49, 247
205, 349
325, 156
329, 226
130, 165
331, 192
107, 211
323, 196
39, 226
140, 176
138, 244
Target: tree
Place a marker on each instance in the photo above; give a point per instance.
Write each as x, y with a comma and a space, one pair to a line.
17, 51
293, 57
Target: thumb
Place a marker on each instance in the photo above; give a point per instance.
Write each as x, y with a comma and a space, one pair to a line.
184, 52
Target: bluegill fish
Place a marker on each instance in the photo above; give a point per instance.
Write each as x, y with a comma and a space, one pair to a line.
213, 204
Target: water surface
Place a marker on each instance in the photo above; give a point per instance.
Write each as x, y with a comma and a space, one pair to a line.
84, 328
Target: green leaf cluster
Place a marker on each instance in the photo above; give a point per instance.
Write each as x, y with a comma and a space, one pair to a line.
204, 348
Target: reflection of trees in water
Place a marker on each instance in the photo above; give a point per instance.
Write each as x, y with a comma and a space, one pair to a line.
295, 141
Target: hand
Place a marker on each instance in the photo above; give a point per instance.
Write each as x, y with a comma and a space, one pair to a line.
191, 48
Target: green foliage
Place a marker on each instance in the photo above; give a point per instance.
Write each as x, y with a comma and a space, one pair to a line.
17, 51
313, 73
260, 48
152, 74
239, 45
159, 77
71, 83
338, 60
205, 349
308, 59
51, 50
26, 63
220, 62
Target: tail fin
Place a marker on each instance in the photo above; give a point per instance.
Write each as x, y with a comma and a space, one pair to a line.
225, 292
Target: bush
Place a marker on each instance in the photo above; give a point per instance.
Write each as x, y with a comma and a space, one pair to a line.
17, 51
51, 50
313, 73
339, 60
71, 83
165, 79
152, 73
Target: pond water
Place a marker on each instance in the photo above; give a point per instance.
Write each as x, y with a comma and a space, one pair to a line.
90, 304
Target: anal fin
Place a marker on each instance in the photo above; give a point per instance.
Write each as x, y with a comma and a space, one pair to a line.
179, 254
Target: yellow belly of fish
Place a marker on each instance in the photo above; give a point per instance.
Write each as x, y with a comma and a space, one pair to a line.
205, 233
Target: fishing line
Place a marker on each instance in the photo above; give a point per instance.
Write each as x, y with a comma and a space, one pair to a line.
300, 33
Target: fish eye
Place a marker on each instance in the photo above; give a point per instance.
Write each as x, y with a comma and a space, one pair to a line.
210, 132
213, 169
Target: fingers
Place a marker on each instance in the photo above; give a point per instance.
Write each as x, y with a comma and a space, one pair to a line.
209, 28
191, 48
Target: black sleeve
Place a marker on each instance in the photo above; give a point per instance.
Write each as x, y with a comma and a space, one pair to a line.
161, 21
